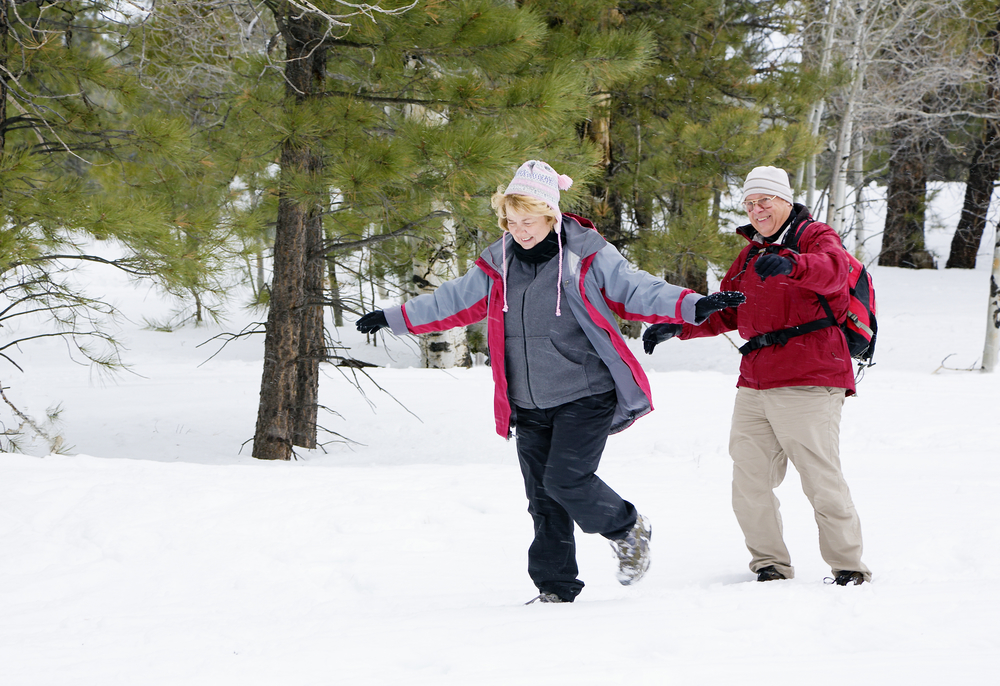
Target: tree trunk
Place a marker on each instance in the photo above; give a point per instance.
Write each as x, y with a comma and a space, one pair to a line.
605, 200
992, 346
336, 302
689, 277
978, 191
983, 174
450, 348
903, 237
278, 390
808, 168
287, 335
858, 167
312, 345
4, 30
842, 155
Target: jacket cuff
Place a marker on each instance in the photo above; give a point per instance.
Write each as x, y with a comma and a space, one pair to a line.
394, 316
687, 307
797, 271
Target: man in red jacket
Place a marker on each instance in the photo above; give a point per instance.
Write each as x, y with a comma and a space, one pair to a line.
794, 376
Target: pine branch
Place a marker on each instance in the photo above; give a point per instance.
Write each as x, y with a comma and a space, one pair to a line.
331, 246
123, 265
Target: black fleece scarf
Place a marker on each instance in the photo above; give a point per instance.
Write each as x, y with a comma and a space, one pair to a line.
546, 249
795, 215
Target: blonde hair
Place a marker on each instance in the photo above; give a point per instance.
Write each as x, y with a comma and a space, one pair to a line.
521, 203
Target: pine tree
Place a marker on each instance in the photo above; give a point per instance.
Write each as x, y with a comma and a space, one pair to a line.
87, 171
716, 103
614, 52
322, 130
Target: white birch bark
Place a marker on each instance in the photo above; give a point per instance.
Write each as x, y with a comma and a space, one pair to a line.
992, 346
816, 111
842, 153
443, 349
858, 167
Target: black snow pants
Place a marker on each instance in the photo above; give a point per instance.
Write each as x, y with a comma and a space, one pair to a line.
559, 450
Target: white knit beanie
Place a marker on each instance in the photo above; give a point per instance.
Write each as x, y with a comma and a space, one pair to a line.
538, 180
769, 181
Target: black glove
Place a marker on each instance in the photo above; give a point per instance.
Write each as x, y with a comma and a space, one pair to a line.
658, 333
715, 302
372, 322
772, 265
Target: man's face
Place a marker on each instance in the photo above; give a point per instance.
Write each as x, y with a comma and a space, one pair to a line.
767, 213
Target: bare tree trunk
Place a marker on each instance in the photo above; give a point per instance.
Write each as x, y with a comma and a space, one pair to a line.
858, 167
280, 396
978, 191
903, 237
4, 30
259, 263
983, 174
992, 346
808, 169
336, 303
450, 348
605, 200
842, 155
689, 277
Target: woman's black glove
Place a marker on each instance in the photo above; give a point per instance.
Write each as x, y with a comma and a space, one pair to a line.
715, 302
772, 265
372, 322
657, 333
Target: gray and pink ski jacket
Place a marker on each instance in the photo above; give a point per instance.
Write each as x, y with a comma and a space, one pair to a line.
598, 283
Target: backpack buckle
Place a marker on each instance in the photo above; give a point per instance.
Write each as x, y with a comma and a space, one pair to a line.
772, 338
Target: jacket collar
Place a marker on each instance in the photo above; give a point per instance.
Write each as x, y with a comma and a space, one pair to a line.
580, 238
799, 214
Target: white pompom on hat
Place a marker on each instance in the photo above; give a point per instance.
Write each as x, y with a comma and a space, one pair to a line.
769, 181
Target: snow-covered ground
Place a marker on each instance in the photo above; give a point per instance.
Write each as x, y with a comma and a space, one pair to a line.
157, 552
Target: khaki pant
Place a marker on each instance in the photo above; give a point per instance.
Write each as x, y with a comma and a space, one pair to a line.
801, 424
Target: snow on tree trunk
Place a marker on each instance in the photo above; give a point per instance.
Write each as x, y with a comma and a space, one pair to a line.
443, 349
992, 346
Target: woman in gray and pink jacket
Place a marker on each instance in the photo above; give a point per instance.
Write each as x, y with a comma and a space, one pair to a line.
564, 377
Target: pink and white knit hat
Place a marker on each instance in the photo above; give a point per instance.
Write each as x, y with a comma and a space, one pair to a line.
538, 180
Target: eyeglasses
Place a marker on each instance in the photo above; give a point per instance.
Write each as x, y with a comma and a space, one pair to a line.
763, 203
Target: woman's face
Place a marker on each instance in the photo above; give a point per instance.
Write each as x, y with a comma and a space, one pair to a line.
527, 229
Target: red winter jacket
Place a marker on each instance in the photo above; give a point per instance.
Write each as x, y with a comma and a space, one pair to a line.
820, 358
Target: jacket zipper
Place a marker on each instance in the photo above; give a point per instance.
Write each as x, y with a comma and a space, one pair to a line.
524, 338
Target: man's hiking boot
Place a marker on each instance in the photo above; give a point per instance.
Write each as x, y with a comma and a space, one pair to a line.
633, 552
769, 573
846, 577
547, 598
